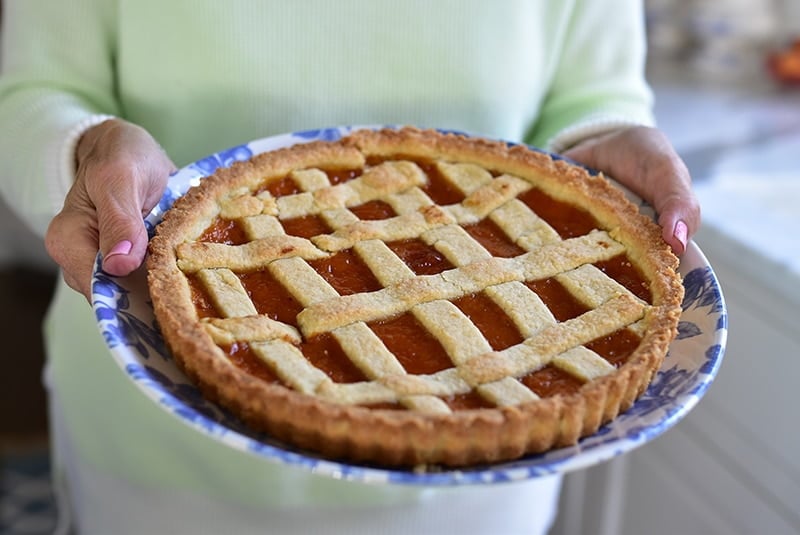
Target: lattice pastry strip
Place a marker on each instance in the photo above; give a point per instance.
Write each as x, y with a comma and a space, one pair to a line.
545, 262
410, 201
194, 256
404, 226
593, 287
484, 200
506, 392
524, 306
425, 392
456, 245
300, 280
361, 393
310, 179
459, 337
410, 224
387, 267
583, 363
466, 177
444, 383
426, 404
226, 331
522, 226
261, 226
366, 350
553, 340
339, 218
291, 365
376, 182
241, 206
227, 293
242, 203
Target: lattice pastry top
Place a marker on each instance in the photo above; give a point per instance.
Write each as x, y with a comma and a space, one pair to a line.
408, 297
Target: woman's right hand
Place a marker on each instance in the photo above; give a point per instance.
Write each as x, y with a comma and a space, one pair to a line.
121, 174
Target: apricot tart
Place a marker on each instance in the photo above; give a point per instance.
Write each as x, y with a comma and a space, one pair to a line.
407, 297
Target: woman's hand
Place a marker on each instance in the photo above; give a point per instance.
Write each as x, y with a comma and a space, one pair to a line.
121, 174
643, 160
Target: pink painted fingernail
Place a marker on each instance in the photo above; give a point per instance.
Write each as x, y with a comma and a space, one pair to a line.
122, 248
681, 233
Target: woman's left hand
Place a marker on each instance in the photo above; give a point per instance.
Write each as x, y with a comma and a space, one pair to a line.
643, 159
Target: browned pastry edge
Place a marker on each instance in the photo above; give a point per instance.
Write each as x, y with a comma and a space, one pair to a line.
406, 438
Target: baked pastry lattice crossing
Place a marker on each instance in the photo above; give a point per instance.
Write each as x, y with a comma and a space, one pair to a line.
405, 282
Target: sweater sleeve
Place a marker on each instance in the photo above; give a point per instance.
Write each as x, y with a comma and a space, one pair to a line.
56, 81
599, 83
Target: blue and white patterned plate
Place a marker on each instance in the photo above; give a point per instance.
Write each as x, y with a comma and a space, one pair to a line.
125, 318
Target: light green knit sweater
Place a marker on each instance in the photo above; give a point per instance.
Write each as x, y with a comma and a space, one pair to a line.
202, 75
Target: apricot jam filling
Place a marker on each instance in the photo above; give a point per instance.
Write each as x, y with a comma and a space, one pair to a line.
568, 220
561, 303
200, 299
487, 233
281, 187
305, 226
439, 189
415, 348
622, 270
422, 258
270, 297
225, 231
373, 211
242, 356
490, 319
418, 351
325, 353
346, 272
550, 381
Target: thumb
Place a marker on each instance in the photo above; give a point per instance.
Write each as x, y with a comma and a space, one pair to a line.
120, 195
122, 235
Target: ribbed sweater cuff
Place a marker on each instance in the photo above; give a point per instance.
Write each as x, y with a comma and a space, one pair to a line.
591, 127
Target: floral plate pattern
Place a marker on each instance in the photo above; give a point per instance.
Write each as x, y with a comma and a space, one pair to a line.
125, 318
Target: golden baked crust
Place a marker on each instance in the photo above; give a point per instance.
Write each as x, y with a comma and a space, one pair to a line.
304, 406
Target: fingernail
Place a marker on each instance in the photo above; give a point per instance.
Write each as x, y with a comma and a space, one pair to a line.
681, 233
122, 248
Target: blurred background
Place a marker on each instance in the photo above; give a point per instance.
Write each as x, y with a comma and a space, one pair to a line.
726, 76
